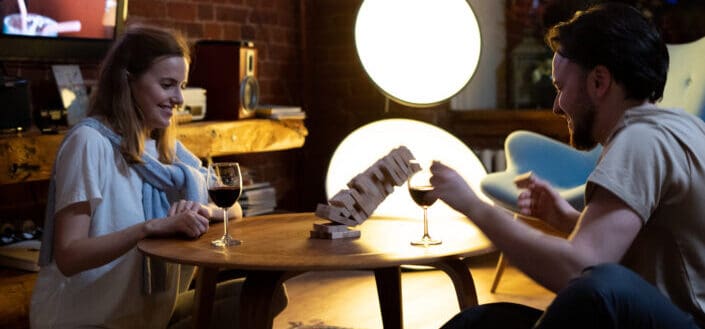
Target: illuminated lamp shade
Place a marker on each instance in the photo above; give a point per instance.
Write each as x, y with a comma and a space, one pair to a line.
364, 146
418, 52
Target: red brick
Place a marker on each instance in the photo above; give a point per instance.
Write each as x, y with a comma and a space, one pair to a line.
146, 8
231, 14
212, 31
264, 17
205, 12
182, 11
249, 32
231, 31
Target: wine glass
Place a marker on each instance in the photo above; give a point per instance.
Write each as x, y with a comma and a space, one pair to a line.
419, 185
224, 188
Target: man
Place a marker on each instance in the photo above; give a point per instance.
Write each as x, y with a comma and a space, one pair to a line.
636, 254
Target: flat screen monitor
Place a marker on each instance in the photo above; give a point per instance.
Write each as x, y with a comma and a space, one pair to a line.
59, 30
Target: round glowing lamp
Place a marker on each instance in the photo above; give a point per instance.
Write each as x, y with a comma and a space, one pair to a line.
418, 52
364, 146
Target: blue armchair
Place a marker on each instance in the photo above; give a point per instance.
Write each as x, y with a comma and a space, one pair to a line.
567, 169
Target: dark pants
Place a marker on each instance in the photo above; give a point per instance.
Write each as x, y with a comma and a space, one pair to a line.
605, 296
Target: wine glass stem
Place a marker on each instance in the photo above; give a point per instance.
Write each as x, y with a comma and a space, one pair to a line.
425, 223
225, 222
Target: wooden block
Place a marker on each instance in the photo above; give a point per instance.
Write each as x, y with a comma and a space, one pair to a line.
364, 185
330, 227
334, 214
370, 192
388, 186
384, 187
393, 171
415, 166
350, 234
358, 216
405, 153
403, 164
342, 199
375, 172
363, 203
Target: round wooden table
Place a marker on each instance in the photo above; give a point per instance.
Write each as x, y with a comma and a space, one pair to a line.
278, 247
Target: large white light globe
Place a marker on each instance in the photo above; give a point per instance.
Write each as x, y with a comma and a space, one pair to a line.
418, 52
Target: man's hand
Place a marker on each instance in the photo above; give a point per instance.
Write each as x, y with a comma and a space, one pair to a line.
541, 201
450, 187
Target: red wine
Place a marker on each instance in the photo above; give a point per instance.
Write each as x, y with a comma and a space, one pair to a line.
224, 196
418, 193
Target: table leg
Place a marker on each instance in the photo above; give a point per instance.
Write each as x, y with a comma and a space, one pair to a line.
461, 276
389, 293
205, 294
256, 300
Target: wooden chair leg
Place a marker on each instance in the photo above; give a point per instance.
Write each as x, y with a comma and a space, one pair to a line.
499, 270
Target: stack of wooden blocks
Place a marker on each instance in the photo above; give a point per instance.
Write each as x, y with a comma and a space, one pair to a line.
351, 207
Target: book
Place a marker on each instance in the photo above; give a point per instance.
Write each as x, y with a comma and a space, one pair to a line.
21, 255
288, 116
263, 195
252, 204
280, 112
253, 186
267, 110
256, 211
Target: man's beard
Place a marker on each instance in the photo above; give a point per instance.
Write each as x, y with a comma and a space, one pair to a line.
581, 135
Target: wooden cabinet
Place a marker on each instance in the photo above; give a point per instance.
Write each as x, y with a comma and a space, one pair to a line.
30, 156
487, 129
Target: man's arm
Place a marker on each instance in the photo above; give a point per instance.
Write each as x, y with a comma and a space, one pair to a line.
605, 231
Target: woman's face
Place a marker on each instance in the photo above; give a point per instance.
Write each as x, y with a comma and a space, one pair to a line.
157, 92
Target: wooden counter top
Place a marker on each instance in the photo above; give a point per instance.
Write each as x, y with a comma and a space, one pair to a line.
30, 156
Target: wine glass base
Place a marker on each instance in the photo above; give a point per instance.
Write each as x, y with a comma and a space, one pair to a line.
426, 241
226, 241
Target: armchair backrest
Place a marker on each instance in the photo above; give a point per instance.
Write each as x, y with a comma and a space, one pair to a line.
685, 83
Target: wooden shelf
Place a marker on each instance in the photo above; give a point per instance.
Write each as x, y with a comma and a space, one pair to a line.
30, 156
212, 139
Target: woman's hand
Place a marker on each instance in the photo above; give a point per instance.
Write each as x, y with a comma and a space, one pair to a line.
185, 217
541, 201
234, 212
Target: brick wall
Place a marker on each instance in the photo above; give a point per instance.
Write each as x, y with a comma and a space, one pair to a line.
273, 26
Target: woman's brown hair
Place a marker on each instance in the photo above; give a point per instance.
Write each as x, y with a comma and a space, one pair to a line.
132, 54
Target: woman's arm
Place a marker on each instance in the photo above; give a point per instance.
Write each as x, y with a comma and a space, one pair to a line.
75, 251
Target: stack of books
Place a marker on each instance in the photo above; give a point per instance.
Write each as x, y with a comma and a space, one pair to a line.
280, 112
21, 255
258, 199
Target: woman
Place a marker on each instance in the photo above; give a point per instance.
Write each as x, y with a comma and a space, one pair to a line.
121, 176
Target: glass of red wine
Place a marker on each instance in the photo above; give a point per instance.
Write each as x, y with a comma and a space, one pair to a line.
419, 185
224, 188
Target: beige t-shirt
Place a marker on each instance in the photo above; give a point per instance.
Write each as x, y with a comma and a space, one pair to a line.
655, 162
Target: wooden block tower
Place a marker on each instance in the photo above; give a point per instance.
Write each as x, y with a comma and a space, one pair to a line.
352, 206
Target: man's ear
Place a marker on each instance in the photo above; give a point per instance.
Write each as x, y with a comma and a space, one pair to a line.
599, 81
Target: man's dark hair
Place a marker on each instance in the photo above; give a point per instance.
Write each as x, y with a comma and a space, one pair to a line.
620, 38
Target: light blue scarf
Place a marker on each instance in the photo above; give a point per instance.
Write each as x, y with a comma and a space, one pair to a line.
182, 180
